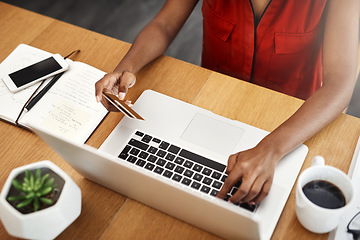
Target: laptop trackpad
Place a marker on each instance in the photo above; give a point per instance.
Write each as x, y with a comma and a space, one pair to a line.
212, 134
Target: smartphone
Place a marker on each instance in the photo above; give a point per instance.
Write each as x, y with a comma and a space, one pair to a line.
36, 72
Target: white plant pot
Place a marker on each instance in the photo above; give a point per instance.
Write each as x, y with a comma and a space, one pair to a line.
47, 223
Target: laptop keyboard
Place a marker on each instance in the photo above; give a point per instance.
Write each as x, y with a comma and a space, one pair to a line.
178, 164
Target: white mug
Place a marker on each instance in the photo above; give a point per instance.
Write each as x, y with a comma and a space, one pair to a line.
313, 217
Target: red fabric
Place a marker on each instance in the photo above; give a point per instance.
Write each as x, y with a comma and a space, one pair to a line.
284, 51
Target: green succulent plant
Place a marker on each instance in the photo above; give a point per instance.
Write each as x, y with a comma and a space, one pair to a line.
33, 190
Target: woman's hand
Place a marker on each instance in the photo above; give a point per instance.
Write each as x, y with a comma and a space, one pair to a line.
115, 83
255, 167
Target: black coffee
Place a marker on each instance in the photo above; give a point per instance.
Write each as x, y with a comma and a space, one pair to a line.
324, 194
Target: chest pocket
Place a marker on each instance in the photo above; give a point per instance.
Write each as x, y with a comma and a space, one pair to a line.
216, 40
293, 43
294, 58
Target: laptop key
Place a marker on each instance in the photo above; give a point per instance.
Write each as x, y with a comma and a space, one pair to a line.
149, 166
188, 173
161, 153
227, 197
188, 164
152, 150
176, 177
170, 165
138, 144
123, 156
167, 174
170, 157
186, 181
249, 207
198, 177
207, 181
134, 151
140, 134
216, 175
214, 192
195, 185
179, 160
124, 153
144, 155
158, 170
217, 185
179, 169
146, 138
132, 159
174, 149
164, 145
205, 189
161, 162
197, 167
152, 158
140, 163
233, 191
207, 171
238, 183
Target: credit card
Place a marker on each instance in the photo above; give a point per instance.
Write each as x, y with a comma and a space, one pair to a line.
121, 106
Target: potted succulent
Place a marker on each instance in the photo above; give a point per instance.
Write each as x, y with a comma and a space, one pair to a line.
39, 201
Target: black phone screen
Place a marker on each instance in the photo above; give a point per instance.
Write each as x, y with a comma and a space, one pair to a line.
35, 71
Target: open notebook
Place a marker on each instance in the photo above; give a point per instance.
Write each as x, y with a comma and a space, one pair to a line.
69, 108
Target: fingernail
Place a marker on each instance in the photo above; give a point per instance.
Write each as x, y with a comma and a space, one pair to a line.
98, 99
121, 95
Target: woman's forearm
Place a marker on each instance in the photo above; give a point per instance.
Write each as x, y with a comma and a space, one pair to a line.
155, 38
339, 78
316, 113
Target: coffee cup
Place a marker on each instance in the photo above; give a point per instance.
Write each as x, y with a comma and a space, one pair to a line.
323, 193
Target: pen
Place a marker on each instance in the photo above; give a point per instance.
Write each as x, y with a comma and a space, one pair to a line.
42, 92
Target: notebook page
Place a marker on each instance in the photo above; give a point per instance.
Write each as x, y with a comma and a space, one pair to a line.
69, 108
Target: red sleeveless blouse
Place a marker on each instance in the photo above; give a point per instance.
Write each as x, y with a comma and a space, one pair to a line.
283, 51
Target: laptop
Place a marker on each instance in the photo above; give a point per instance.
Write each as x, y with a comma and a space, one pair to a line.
175, 162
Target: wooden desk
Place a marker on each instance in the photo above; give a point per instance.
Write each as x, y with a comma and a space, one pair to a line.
109, 215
